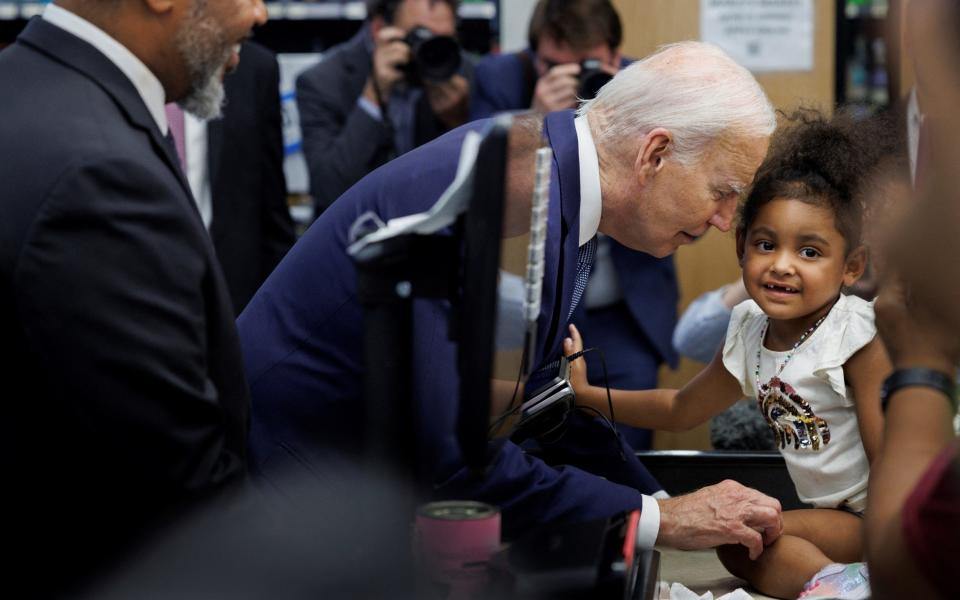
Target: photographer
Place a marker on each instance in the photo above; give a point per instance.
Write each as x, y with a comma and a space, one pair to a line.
574, 48
374, 97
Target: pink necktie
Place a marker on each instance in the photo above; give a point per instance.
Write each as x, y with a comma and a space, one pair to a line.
175, 119
924, 151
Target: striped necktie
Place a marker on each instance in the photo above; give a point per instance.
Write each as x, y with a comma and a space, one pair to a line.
585, 256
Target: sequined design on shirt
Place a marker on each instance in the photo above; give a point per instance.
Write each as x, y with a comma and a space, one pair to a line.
791, 418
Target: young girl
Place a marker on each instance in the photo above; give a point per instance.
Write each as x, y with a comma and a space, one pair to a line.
807, 353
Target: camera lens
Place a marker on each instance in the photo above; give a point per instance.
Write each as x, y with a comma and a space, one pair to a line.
592, 78
434, 57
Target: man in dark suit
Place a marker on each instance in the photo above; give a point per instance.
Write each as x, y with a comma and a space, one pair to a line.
239, 183
357, 109
302, 332
630, 309
125, 402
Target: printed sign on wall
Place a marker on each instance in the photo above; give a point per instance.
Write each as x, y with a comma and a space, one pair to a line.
761, 35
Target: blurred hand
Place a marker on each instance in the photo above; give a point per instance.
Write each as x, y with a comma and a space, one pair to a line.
390, 53
557, 89
449, 100
912, 335
725, 513
578, 367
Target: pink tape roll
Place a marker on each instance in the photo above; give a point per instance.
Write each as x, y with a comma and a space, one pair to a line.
454, 541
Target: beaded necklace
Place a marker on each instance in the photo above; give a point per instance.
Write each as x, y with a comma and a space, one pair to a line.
763, 335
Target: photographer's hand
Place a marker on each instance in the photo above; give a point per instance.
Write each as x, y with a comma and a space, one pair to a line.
449, 100
390, 52
557, 89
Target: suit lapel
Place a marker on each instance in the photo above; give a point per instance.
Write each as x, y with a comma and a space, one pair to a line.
563, 226
84, 58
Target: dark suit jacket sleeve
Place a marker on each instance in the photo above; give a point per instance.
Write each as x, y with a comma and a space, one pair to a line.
498, 86
113, 303
277, 226
341, 142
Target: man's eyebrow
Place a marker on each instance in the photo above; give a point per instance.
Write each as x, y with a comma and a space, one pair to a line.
733, 187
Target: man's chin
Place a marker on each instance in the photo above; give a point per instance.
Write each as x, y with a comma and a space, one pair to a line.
206, 103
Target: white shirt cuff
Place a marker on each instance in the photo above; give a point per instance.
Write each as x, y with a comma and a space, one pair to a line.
648, 528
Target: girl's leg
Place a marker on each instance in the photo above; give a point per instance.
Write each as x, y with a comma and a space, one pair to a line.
811, 540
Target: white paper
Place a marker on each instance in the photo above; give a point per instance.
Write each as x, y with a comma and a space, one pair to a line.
761, 35
678, 591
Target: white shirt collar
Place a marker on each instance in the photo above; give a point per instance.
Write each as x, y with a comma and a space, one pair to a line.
590, 197
147, 84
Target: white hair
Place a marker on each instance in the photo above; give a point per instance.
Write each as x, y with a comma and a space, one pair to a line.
693, 89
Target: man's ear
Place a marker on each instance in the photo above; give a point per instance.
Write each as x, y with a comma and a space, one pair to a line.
855, 265
654, 147
741, 245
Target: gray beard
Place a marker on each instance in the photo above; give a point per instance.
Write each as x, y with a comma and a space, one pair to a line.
203, 47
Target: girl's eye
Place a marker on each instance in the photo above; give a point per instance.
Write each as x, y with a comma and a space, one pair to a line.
764, 245
809, 252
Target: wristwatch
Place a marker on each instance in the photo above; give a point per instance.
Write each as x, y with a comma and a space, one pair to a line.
930, 378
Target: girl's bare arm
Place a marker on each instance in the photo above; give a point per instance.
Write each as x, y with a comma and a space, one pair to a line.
708, 393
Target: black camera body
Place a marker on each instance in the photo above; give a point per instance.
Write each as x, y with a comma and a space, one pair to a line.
432, 57
592, 78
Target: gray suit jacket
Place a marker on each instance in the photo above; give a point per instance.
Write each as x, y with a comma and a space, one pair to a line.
341, 141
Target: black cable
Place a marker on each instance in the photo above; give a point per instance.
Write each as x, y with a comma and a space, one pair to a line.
606, 384
513, 398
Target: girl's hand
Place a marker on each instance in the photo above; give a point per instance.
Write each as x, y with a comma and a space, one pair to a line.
578, 366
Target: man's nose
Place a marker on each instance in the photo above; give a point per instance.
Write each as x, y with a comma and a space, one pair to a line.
259, 12
723, 218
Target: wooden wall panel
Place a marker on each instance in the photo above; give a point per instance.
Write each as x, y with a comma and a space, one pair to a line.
711, 262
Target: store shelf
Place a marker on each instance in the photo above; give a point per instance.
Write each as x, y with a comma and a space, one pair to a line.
294, 11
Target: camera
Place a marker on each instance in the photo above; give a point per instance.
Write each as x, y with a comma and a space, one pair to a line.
592, 78
432, 57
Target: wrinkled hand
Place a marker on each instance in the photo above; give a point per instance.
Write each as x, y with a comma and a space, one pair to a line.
449, 100
725, 513
389, 54
912, 336
557, 89
578, 367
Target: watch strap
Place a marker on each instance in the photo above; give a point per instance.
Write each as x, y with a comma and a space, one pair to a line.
919, 376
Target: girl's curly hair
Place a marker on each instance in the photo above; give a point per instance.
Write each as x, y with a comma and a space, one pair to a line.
825, 162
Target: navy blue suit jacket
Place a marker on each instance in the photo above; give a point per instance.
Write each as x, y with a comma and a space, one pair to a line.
120, 362
637, 337
301, 336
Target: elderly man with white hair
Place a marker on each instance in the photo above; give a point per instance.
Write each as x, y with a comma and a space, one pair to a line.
655, 160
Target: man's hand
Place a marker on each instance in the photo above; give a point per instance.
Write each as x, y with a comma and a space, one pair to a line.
448, 100
390, 52
557, 89
725, 513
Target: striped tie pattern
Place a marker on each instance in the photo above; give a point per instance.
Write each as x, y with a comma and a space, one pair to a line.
585, 256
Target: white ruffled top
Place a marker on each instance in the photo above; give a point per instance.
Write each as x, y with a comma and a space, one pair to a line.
809, 407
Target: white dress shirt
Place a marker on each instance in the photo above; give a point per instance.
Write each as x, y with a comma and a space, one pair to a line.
603, 287
142, 78
198, 172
